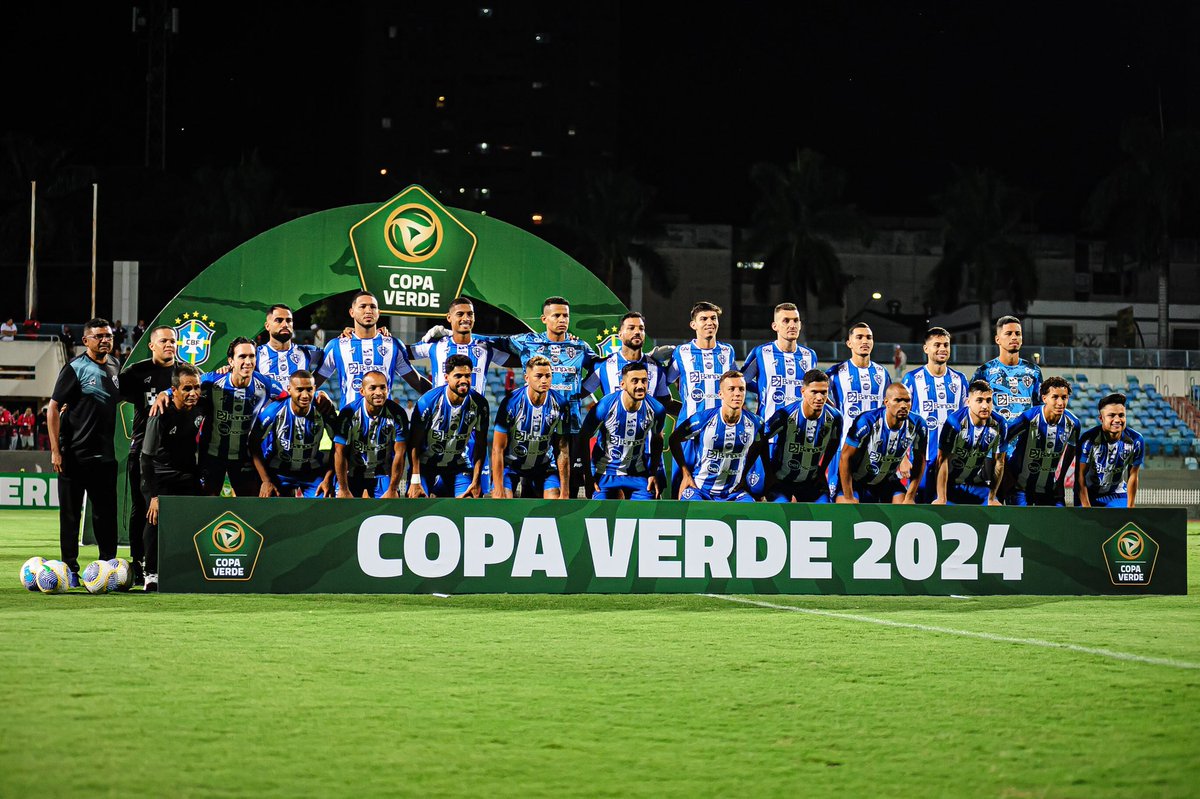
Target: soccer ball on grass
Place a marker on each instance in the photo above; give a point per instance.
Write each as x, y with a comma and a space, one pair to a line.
99, 577
29, 572
53, 578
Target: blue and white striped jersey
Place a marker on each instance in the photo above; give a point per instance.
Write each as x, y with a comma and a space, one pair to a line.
449, 428
880, 448
699, 374
281, 365
968, 447
570, 360
934, 399
1111, 461
348, 359
607, 377
289, 443
854, 390
480, 350
623, 436
777, 376
1016, 389
718, 455
230, 412
1036, 447
531, 429
370, 441
803, 448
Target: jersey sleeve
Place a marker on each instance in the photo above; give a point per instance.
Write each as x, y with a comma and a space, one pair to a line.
947, 437
835, 388
500, 357
401, 366
592, 420
860, 429
342, 426
660, 414
1019, 424
501, 425
591, 382
750, 370
980, 374
66, 387
329, 361
1085, 448
778, 421
688, 428
420, 351
275, 389
1139, 451
675, 369
484, 414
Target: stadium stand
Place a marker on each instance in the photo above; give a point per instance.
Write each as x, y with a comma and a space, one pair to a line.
1169, 425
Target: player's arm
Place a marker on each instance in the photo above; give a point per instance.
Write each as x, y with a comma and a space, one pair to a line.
1082, 468
257, 433
1131, 485
562, 445
997, 475
847, 495
418, 381
753, 455
941, 464
342, 469
66, 390
680, 434
750, 372
397, 474
151, 449
416, 448
918, 468
478, 451
499, 445
656, 451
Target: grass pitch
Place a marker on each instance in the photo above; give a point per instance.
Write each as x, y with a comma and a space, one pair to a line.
686, 696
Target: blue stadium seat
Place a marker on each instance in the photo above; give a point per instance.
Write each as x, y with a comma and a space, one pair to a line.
1169, 448
1081, 378
1152, 446
1131, 380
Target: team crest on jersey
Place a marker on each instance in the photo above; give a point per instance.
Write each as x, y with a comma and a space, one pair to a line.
195, 332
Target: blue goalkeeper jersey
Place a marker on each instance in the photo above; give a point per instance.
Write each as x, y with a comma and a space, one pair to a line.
282, 365
450, 429
699, 371
607, 377
1036, 449
370, 441
1015, 389
801, 449
482, 352
1111, 461
775, 376
934, 399
290, 444
570, 360
623, 437
967, 448
230, 413
719, 453
531, 429
348, 359
881, 448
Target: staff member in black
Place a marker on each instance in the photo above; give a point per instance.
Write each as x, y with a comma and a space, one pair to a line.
81, 420
169, 457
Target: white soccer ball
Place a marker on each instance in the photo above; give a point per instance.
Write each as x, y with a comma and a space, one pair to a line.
53, 577
99, 577
29, 571
123, 572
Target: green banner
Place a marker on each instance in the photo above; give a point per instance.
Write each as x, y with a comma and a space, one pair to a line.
28, 490
450, 546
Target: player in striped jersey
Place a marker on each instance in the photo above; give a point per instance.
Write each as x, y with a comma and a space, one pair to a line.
803, 439
286, 444
607, 373
874, 448
1110, 457
775, 370
937, 391
448, 436
280, 357
697, 366
856, 385
727, 441
480, 351
969, 464
369, 443
1016, 381
368, 350
1041, 443
529, 446
628, 427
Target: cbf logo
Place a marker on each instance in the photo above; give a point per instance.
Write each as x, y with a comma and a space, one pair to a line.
412, 254
1130, 555
195, 332
228, 548
607, 341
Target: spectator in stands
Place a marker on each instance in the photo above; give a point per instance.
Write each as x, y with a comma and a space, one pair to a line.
31, 327
899, 361
138, 331
68, 341
42, 429
8, 330
6, 427
120, 335
25, 423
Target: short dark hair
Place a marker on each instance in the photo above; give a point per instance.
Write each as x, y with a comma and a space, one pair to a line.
376, 372
934, 332
302, 374
361, 293
455, 361
460, 300
634, 366
157, 328
704, 305
182, 368
1006, 320
1055, 382
1112, 399
815, 376
546, 303
732, 373
271, 310
96, 323
631, 315
785, 306
979, 386
856, 326
233, 345
892, 388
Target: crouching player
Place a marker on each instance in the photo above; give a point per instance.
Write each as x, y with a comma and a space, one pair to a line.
369, 443
875, 446
970, 459
286, 444
628, 427
447, 439
530, 445
803, 438
1041, 443
1110, 457
728, 441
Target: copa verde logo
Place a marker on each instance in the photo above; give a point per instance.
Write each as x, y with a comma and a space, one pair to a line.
1130, 555
412, 254
228, 548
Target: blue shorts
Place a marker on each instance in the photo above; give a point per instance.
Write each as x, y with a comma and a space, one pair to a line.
966, 495
290, 484
611, 486
810, 491
1025, 499
445, 483
374, 485
536, 482
692, 494
880, 494
1110, 501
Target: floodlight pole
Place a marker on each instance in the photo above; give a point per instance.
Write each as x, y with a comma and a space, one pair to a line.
31, 278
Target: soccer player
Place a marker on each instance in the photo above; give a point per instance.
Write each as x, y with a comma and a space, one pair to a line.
969, 464
875, 446
1015, 380
608, 372
1110, 457
368, 350
697, 366
369, 443
803, 438
856, 385
448, 436
530, 445
775, 370
286, 444
726, 443
460, 339
169, 459
81, 420
281, 357
628, 427
1040, 441
937, 391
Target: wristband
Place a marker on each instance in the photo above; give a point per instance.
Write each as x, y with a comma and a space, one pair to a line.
415, 480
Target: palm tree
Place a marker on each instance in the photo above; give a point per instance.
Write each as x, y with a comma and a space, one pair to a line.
798, 210
983, 256
1140, 204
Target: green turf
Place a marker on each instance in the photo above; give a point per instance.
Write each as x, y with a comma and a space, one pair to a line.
684, 696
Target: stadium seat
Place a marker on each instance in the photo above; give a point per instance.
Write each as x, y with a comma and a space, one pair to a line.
1169, 448
1081, 378
1131, 380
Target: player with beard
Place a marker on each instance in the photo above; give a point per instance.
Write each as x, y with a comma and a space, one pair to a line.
607, 374
803, 439
726, 444
1040, 444
529, 446
937, 391
369, 443
628, 427
1110, 457
448, 437
1015, 381
874, 448
286, 444
459, 339
856, 385
281, 357
969, 465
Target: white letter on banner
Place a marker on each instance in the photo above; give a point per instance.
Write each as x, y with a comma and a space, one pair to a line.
550, 560
610, 561
476, 552
697, 553
10, 489
35, 491
805, 551
54, 491
370, 532
449, 546
652, 549
749, 532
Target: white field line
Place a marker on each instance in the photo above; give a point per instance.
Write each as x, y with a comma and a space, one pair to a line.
1003, 639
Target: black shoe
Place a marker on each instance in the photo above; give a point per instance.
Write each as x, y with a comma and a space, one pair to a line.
139, 575
151, 583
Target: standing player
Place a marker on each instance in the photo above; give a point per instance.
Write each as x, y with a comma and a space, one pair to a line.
529, 445
286, 444
1110, 458
448, 436
1041, 443
607, 374
727, 441
281, 357
479, 350
969, 465
697, 366
1016, 381
369, 443
937, 391
628, 426
803, 438
856, 385
874, 448
775, 370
